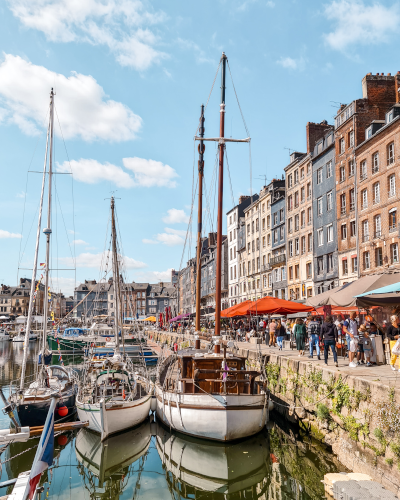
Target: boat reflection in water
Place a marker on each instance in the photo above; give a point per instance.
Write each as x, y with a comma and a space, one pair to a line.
204, 469
105, 465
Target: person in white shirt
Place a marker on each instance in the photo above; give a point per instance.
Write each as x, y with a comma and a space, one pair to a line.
350, 328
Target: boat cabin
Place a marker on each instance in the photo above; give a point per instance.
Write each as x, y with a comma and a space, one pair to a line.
197, 371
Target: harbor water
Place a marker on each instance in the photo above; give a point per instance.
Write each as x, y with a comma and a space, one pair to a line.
151, 462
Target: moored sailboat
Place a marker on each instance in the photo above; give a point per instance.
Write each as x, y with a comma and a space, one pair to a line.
207, 395
112, 397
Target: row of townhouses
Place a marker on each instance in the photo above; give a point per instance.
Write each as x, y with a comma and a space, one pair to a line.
138, 300
333, 216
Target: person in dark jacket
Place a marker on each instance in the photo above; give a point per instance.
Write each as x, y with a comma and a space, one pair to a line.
329, 335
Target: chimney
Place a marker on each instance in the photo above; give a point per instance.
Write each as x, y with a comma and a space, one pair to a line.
380, 90
397, 87
315, 132
211, 239
243, 198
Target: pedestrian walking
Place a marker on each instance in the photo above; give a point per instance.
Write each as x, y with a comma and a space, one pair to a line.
280, 333
329, 334
393, 334
367, 344
314, 333
350, 328
272, 330
300, 334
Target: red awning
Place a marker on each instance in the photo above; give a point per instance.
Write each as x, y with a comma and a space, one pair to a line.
236, 310
273, 305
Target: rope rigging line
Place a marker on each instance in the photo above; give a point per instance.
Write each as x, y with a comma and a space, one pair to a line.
229, 176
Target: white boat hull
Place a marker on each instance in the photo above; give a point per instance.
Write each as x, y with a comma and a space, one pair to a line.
107, 419
218, 417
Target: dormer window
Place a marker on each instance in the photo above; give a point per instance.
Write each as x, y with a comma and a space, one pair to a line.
368, 132
389, 116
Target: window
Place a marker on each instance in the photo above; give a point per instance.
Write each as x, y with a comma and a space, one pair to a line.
351, 139
375, 163
269, 279
297, 271
319, 176
378, 257
309, 242
342, 174
366, 260
263, 242
343, 204
281, 215
320, 237
392, 220
342, 145
291, 248
329, 233
377, 193
394, 253
368, 132
329, 170
352, 200
252, 226
268, 239
378, 226
258, 244
392, 185
290, 225
352, 228
296, 222
303, 194
291, 273
303, 219
275, 236
363, 170
297, 246
303, 244
282, 231
290, 180
354, 264
309, 270
268, 221
345, 269
320, 265
389, 116
248, 248
329, 262
365, 230
351, 168
343, 231
296, 199
319, 206
329, 201
390, 153
275, 218
252, 246
296, 176
302, 174
309, 215
257, 225
364, 199
258, 263
283, 269
248, 228
309, 191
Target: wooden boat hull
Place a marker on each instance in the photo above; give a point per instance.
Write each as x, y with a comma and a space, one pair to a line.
217, 417
107, 419
35, 413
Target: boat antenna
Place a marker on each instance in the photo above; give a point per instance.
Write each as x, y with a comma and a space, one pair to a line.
35, 260
201, 149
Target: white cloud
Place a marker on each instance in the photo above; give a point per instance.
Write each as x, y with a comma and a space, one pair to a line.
150, 242
175, 216
80, 242
290, 63
81, 103
172, 237
149, 173
121, 25
7, 234
146, 173
66, 285
21, 194
358, 23
270, 4
92, 172
91, 260
196, 50
154, 276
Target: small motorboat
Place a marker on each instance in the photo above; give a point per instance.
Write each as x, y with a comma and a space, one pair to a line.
4, 335
21, 337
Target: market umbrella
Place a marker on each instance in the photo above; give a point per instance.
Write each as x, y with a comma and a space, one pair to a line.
226, 313
346, 296
240, 310
150, 318
273, 305
388, 296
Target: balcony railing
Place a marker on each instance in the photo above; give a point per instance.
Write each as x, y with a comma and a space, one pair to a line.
392, 228
375, 169
377, 234
365, 237
352, 207
363, 176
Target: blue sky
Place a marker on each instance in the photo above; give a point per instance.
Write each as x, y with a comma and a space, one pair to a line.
130, 76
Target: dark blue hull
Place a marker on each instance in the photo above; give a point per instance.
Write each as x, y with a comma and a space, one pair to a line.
33, 414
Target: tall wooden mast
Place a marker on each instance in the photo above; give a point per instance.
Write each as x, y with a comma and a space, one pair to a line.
218, 283
200, 219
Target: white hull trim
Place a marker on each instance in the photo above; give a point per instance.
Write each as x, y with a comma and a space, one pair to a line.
217, 417
107, 419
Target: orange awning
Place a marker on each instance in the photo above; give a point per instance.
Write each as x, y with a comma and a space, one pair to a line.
238, 310
273, 305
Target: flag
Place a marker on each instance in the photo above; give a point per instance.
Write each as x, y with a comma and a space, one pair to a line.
42, 264
44, 454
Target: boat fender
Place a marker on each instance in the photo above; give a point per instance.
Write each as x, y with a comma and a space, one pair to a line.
108, 339
153, 403
270, 405
62, 411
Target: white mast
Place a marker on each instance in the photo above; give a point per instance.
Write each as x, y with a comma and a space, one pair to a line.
47, 230
115, 273
35, 260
